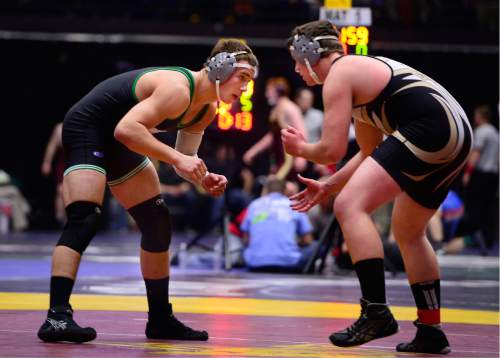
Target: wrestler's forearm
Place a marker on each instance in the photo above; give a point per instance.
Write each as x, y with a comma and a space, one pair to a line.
338, 180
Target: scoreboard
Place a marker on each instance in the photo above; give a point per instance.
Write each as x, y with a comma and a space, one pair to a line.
237, 116
355, 37
353, 23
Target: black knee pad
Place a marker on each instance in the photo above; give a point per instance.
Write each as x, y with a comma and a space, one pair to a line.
84, 219
153, 219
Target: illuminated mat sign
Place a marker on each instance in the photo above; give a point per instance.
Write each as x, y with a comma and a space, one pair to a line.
357, 16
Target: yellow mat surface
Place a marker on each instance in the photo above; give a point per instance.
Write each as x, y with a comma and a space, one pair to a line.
236, 306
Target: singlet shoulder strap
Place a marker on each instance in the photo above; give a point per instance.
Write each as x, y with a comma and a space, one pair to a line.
338, 58
182, 70
187, 73
189, 77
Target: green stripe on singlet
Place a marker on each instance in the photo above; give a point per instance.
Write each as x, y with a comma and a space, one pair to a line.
199, 116
182, 70
84, 166
131, 173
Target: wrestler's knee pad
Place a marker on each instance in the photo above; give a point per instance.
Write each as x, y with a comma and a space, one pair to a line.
153, 219
84, 219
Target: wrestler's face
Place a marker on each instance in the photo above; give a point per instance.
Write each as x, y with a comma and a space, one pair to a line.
232, 89
301, 69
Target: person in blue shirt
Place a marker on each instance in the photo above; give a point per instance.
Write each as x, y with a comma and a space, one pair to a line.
278, 239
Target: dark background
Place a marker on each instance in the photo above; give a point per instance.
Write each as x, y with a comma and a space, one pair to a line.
41, 79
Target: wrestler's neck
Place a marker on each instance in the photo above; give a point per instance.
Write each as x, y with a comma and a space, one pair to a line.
323, 67
204, 89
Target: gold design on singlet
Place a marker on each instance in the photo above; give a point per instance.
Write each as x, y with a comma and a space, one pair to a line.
450, 150
365, 117
415, 84
420, 177
361, 114
385, 121
450, 176
455, 115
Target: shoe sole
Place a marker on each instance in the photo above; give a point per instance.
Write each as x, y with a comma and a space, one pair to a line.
445, 350
152, 335
52, 338
360, 344
179, 338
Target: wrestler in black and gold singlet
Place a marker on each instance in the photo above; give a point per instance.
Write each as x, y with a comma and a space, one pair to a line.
429, 135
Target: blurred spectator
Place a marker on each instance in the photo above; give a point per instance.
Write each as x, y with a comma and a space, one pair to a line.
291, 188
481, 180
443, 225
452, 212
14, 208
313, 118
313, 121
278, 239
53, 164
284, 113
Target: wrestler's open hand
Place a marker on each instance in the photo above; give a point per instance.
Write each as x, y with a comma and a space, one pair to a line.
314, 192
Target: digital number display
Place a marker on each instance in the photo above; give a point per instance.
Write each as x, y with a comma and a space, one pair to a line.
242, 120
357, 37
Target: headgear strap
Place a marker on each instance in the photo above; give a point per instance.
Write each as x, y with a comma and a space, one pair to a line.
308, 51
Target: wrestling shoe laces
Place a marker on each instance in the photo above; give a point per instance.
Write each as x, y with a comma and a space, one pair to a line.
375, 321
60, 326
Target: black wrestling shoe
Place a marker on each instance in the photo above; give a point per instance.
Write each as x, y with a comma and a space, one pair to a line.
376, 321
59, 326
171, 328
429, 339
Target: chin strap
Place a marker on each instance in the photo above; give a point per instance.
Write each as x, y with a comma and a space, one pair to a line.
217, 90
311, 72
